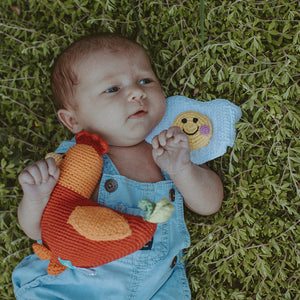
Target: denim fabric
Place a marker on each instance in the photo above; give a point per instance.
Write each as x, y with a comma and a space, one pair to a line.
158, 273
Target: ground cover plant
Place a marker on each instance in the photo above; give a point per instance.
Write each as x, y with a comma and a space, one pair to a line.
245, 51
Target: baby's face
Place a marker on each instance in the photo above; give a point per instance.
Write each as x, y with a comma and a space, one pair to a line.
118, 96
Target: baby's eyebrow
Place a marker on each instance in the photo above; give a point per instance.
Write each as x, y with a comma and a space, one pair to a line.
110, 77
107, 77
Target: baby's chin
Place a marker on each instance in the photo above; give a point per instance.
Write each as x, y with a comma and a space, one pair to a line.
128, 142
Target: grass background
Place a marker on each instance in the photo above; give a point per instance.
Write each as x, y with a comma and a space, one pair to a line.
245, 51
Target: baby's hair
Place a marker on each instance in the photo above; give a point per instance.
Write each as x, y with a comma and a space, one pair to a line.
63, 76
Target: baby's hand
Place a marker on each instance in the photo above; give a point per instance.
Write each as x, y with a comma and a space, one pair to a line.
39, 179
171, 150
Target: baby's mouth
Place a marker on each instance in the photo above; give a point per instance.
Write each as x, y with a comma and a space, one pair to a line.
138, 114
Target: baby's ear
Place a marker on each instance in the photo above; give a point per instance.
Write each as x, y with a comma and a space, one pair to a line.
68, 118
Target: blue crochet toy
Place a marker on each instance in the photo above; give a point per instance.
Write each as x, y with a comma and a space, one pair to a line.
210, 125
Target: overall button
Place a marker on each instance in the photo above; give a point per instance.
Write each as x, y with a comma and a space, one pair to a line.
110, 185
174, 261
172, 195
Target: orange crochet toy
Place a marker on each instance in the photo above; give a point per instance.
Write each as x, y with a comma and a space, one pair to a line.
77, 231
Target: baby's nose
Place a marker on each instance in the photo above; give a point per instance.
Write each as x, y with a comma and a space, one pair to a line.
136, 94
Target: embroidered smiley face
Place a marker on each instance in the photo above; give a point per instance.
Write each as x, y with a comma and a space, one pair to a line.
196, 126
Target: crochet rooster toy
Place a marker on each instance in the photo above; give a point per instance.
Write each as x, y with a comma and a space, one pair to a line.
77, 232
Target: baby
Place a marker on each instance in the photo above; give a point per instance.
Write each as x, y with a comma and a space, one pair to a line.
105, 84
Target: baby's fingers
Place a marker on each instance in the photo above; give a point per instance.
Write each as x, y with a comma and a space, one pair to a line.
37, 173
157, 149
44, 171
175, 138
162, 138
175, 135
181, 138
159, 140
157, 152
26, 178
173, 131
53, 169
155, 143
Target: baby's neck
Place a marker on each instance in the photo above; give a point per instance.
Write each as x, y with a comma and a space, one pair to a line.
136, 162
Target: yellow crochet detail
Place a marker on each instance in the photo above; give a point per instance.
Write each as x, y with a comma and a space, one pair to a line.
196, 126
56, 156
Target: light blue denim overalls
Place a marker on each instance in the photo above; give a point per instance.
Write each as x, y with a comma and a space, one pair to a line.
155, 272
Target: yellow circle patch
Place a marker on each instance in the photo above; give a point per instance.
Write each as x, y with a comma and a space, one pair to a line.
196, 126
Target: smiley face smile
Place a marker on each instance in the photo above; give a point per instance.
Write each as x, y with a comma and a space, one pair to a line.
190, 133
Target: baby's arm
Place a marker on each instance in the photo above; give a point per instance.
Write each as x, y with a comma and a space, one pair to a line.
200, 187
37, 181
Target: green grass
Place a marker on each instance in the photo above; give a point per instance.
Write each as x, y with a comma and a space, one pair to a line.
245, 51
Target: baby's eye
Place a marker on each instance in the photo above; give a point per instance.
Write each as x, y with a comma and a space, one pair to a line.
113, 89
145, 81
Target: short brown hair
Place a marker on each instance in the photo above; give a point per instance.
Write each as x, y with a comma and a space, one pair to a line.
63, 76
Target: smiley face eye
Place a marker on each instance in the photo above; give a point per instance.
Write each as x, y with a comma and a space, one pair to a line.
184, 120
195, 120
